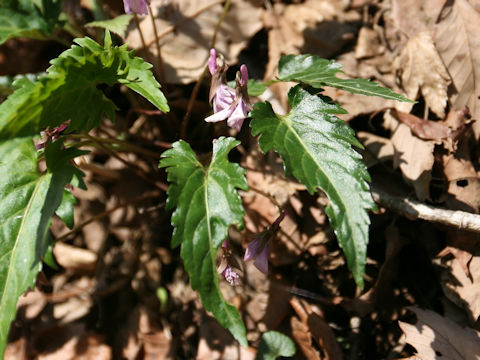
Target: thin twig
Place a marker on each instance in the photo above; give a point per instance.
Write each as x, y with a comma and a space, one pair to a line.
142, 39
416, 210
146, 196
195, 90
268, 196
159, 54
172, 28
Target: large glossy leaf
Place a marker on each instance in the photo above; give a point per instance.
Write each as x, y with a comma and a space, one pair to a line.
28, 200
69, 89
206, 204
316, 148
318, 72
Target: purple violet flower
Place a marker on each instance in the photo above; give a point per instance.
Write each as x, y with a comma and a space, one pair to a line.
139, 7
258, 248
51, 135
228, 265
232, 105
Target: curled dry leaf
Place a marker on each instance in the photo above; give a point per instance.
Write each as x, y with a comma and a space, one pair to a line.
185, 50
434, 336
421, 70
456, 39
462, 288
424, 129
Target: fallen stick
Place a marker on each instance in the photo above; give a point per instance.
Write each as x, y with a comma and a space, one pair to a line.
413, 210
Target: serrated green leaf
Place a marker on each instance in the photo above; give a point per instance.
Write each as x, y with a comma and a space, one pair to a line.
117, 25
274, 344
318, 72
316, 148
69, 90
206, 204
28, 200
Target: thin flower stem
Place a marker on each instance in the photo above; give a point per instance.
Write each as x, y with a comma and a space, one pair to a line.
191, 101
149, 195
127, 145
138, 170
268, 196
142, 39
157, 43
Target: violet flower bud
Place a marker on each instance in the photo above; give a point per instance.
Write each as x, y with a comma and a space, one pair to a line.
139, 7
258, 248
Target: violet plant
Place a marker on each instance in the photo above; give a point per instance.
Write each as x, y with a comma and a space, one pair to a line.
317, 149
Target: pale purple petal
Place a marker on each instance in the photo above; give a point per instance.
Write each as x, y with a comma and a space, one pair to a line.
136, 6
219, 116
212, 61
244, 75
235, 120
231, 276
261, 262
253, 248
223, 98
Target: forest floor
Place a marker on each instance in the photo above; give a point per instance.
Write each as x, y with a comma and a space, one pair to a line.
120, 290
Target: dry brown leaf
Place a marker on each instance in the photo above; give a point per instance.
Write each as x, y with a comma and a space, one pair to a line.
434, 336
368, 43
185, 51
377, 148
457, 41
421, 70
315, 26
74, 258
424, 129
464, 287
71, 342
413, 16
463, 180
303, 338
415, 158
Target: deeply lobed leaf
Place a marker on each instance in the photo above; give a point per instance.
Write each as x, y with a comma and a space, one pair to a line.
318, 72
316, 148
69, 90
28, 200
206, 204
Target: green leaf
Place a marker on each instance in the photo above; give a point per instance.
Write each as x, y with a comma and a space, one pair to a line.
206, 204
117, 25
69, 90
28, 200
7, 81
27, 19
274, 344
255, 87
317, 72
316, 148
